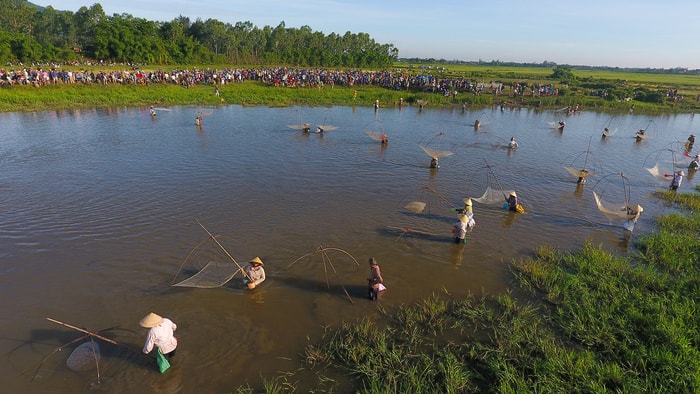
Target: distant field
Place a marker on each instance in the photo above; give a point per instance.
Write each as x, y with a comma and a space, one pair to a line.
687, 85
535, 73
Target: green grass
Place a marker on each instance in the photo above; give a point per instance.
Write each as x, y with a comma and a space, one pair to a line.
583, 321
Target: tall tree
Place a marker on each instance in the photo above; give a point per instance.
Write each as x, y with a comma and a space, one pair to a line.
86, 21
16, 16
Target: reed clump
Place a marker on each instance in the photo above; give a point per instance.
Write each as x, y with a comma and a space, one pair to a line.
585, 321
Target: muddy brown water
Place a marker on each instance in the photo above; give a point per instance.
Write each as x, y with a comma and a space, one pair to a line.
99, 210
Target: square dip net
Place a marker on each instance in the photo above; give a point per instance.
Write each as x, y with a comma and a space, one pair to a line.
208, 265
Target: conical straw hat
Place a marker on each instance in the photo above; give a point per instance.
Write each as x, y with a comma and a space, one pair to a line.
151, 320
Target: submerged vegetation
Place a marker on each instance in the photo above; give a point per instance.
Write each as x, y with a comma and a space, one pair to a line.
584, 321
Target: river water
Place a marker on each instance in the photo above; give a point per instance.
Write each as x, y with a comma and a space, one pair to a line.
100, 211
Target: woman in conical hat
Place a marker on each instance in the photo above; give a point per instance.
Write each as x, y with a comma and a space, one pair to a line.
460, 228
151, 320
513, 201
160, 334
467, 205
254, 272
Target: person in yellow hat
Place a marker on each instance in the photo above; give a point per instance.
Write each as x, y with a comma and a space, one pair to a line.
465, 222
160, 334
254, 272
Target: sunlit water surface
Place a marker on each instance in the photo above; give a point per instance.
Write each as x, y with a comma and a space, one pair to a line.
100, 209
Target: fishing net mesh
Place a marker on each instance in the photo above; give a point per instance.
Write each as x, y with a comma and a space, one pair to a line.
437, 153
657, 173
612, 211
206, 266
415, 206
578, 173
375, 135
492, 196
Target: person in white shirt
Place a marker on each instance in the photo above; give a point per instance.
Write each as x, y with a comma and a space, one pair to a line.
254, 272
512, 144
160, 334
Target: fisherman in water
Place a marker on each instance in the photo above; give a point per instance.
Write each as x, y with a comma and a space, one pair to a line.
160, 334
254, 272
582, 177
677, 180
513, 202
512, 144
633, 215
375, 280
465, 222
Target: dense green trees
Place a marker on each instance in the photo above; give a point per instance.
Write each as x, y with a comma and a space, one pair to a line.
33, 34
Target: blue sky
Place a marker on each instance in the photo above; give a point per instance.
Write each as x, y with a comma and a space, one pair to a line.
618, 33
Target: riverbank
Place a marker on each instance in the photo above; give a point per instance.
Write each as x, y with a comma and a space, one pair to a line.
586, 321
250, 93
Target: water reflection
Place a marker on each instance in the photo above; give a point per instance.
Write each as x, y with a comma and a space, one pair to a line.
101, 208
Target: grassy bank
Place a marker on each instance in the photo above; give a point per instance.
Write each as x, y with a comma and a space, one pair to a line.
54, 97
587, 321
29, 98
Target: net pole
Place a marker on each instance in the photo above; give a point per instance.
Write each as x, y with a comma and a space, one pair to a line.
496, 179
224, 249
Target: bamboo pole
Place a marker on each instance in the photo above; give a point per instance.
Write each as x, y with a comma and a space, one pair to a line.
410, 230
84, 331
225, 251
488, 166
336, 275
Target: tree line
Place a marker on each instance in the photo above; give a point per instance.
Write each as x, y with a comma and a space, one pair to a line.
29, 34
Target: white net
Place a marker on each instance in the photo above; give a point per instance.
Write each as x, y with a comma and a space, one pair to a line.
85, 357
208, 265
375, 135
612, 211
327, 127
492, 196
214, 274
578, 173
415, 206
437, 153
658, 173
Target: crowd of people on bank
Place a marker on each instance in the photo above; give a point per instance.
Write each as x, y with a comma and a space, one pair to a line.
273, 76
